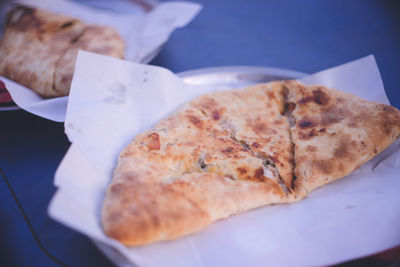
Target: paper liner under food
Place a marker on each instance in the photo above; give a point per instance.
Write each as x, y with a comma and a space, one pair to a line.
352, 217
143, 35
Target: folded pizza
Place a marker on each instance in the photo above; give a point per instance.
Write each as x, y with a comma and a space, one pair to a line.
232, 151
39, 48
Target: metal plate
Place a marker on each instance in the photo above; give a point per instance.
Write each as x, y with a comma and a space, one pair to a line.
10, 107
237, 76
221, 77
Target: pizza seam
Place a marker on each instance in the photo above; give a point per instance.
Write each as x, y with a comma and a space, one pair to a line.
267, 162
288, 114
267, 165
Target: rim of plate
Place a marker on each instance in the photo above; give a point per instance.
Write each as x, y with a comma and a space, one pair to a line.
225, 73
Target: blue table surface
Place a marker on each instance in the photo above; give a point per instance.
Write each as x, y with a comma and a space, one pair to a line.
307, 36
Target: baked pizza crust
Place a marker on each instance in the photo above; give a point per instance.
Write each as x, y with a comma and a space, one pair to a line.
218, 155
334, 133
39, 48
232, 151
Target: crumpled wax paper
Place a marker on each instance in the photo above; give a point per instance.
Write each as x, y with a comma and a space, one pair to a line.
143, 34
109, 105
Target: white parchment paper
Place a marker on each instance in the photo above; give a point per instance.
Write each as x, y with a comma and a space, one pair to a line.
349, 218
143, 34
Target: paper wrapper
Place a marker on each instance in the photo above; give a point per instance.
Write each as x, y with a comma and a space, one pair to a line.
143, 34
110, 104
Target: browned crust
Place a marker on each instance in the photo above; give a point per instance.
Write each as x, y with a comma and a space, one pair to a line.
39, 48
205, 162
335, 133
232, 151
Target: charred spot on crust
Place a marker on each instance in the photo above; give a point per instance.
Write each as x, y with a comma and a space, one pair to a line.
255, 145
305, 100
307, 135
67, 24
318, 96
304, 124
259, 173
195, 121
154, 141
311, 133
242, 170
216, 116
227, 150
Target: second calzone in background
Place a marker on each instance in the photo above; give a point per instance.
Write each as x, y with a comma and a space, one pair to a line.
39, 48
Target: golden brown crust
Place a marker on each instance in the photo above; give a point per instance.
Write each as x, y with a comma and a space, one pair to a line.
335, 133
162, 211
232, 151
204, 163
39, 48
